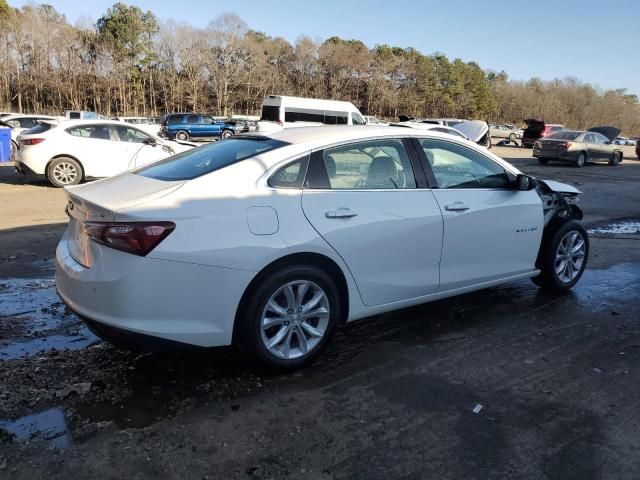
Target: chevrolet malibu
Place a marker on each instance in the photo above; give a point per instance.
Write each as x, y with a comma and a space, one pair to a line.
271, 242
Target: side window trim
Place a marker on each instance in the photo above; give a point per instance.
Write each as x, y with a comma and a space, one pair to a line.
426, 166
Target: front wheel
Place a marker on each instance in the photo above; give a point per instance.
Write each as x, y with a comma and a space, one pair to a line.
226, 134
290, 318
616, 158
64, 171
563, 255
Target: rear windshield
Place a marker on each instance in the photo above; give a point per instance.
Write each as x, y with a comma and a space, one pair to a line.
270, 113
202, 160
564, 135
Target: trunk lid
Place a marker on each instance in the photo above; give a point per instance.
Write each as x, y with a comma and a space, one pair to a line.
99, 201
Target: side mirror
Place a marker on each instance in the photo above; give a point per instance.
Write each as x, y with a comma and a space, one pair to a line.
525, 183
151, 141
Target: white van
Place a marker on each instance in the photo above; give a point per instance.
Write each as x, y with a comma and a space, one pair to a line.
304, 112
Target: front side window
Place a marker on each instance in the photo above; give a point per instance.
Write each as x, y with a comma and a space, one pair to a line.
291, 175
369, 165
96, 132
357, 119
456, 166
131, 135
202, 160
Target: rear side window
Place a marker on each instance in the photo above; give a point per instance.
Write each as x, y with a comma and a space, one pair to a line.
40, 128
270, 113
303, 115
368, 165
200, 161
291, 175
97, 132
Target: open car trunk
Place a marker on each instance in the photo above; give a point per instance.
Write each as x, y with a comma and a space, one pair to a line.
534, 128
608, 131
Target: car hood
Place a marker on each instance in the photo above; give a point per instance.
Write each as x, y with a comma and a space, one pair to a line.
608, 131
559, 187
473, 129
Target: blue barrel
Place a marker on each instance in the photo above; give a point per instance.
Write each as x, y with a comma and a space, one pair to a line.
5, 144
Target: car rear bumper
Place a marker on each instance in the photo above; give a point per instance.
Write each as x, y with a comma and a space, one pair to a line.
554, 154
181, 302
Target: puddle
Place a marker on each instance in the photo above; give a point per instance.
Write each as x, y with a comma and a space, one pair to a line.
625, 227
33, 319
49, 425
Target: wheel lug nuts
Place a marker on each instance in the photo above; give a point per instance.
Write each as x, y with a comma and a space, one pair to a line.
299, 309
289, 311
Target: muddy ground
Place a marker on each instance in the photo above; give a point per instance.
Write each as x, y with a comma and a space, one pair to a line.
509, 382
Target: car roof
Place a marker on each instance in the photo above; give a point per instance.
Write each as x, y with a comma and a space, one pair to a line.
327, 134
17, 116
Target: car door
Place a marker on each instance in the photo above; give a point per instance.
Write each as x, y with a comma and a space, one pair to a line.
98, 153
138, 146
211, 127
491, 230
363, 199
593, 149
603, 146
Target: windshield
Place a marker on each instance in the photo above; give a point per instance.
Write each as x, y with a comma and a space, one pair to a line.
564, 135
202, 160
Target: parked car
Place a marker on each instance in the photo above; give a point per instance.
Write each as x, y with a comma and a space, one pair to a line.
196, 126
20, 123
476, 130
505, 131
304, 112
624, 141
537, 129
370, 120
259, 240
638, 150
71, 151
579, 147
449, 122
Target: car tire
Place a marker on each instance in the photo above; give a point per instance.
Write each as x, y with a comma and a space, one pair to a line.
616, 158
561, 243
270, 297
182, 135
543, 161
226, 134
64, 171
581, 159
513, 137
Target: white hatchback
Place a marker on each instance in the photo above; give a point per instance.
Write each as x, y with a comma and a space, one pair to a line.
273, 241
70, 151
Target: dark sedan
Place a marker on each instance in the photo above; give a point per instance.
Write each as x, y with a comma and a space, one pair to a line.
579, 147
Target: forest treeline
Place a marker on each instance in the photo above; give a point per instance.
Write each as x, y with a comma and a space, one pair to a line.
129, 62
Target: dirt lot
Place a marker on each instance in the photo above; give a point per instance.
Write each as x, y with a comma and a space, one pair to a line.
554, 379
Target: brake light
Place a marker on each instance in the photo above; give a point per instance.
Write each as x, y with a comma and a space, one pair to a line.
565, 145
137, 238
31, 141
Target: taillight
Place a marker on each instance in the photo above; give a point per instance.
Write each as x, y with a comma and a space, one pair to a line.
138, 238
565, 145
31, 141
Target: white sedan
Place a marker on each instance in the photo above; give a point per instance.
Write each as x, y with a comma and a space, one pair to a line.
70, 151
273, 241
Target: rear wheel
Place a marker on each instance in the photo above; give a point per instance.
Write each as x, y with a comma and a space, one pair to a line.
581, 159
543, 161
182, 135
14, 150
563, 255
291, 317
64, 171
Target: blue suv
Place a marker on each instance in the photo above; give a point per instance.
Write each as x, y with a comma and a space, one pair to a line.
185, 126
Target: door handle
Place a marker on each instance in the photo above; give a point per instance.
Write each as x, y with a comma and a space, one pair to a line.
340, 213
456, 207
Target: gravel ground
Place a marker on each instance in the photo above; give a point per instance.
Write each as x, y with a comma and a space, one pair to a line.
509, 382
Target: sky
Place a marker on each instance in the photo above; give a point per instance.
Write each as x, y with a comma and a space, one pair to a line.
597, 42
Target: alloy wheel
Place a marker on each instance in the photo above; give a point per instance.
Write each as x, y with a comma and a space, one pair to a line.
65, 173
570, 256
295, 319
